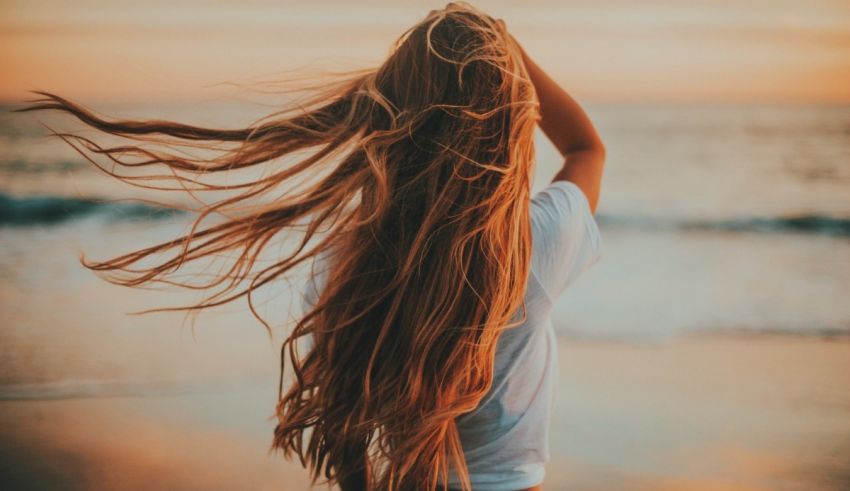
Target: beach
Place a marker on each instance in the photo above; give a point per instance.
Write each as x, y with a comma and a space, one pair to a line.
704, 412
708, 349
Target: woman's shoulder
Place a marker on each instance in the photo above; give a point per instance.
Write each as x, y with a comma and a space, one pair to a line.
565, 236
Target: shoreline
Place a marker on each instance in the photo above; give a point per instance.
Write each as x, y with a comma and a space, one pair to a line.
701, 411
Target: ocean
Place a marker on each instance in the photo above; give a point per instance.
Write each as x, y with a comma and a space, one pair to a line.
715, 219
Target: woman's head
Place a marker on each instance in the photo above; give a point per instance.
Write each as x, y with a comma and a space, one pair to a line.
420, 186
456, 79
454, 59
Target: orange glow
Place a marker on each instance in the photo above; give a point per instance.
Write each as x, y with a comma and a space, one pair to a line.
612, 51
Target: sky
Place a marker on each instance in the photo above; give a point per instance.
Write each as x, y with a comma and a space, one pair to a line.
157, 51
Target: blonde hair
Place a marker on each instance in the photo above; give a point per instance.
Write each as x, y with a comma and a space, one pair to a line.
425, 205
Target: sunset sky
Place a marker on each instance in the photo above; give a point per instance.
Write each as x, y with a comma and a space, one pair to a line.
603, 50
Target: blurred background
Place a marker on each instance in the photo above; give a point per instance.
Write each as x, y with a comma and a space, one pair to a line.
709, 349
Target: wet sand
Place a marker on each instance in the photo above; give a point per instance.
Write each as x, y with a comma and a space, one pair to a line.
702, 412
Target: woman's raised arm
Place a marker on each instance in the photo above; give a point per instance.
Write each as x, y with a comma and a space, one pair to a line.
569, 128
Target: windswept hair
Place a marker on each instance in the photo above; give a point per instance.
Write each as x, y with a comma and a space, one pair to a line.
425, 165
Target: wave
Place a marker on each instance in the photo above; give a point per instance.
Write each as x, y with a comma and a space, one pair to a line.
20, 166
92, 388
803, 224
87, 388
834, 332
49, 210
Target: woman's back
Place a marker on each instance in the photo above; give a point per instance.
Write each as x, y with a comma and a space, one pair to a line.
505, 439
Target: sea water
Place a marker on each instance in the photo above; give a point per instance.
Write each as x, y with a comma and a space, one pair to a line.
714, 217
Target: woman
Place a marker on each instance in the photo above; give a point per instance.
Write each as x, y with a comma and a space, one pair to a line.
428, 356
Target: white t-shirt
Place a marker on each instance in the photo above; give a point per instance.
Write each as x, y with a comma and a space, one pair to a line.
506, 439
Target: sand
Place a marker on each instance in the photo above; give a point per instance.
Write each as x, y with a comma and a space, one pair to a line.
702, 412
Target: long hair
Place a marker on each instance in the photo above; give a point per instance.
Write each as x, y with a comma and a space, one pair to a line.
423, 196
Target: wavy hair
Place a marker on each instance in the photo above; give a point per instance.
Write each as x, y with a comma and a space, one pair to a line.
422, 198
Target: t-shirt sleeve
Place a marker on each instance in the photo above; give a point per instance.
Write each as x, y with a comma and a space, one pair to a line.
565, 235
